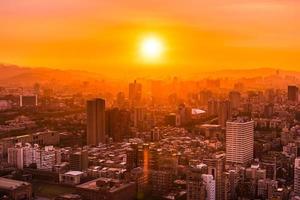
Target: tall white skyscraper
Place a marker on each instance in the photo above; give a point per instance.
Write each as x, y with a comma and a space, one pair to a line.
297, 177
239, 141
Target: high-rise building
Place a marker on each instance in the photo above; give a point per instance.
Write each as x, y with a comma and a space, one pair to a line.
135, 93
117, 124
297, 177
293, 93
216, 167
196, 189
15, 156
138, 117
79, 160
239, 141
213, 107
96, 121
224, 113
231, 179
235, 99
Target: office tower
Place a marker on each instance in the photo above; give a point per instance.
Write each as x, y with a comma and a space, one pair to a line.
297, 177
293, 93
135, 93
138, 117
185, 114
239, 141
161, 182
79, 160
117, 124
231, 179
15, 156
96, 121
224, 113
216, 167
196, 190
235, 99
213, 107
210, 184
120, 100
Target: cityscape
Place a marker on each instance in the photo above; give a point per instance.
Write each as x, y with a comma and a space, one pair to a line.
149, 100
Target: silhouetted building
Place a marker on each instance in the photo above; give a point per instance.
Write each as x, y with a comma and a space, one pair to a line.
235, 99
96, 122
117, 124
293, 93
224, 113
135, 93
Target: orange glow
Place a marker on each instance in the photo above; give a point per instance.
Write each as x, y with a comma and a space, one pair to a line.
199, 35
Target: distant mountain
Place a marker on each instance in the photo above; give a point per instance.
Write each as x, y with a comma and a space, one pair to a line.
249, 73
13, 75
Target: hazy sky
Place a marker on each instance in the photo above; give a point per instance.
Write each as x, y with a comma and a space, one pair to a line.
104, 35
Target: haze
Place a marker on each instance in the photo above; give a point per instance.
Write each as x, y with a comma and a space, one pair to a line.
103, 36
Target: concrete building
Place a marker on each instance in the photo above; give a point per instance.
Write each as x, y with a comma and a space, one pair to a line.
71, 177
15, 156
239, 141
216, 168
225, 112
210, 184
106, 188
15, 190
196, 189
297, 177
79, 160
96, 121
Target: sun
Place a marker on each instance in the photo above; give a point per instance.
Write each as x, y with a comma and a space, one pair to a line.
151, 48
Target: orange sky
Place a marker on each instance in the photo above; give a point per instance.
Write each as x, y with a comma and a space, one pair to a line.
103, 35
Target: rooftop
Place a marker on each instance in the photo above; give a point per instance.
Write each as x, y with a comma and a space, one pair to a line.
9, 184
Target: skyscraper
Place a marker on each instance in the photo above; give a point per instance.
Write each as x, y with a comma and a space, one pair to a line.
297, 177
293, 93
135, 93
196, 189
117, 124
95, 121
239, 141
224, 112
216, 168
235, 99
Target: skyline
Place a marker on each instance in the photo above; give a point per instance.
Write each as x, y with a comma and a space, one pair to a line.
104, 37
